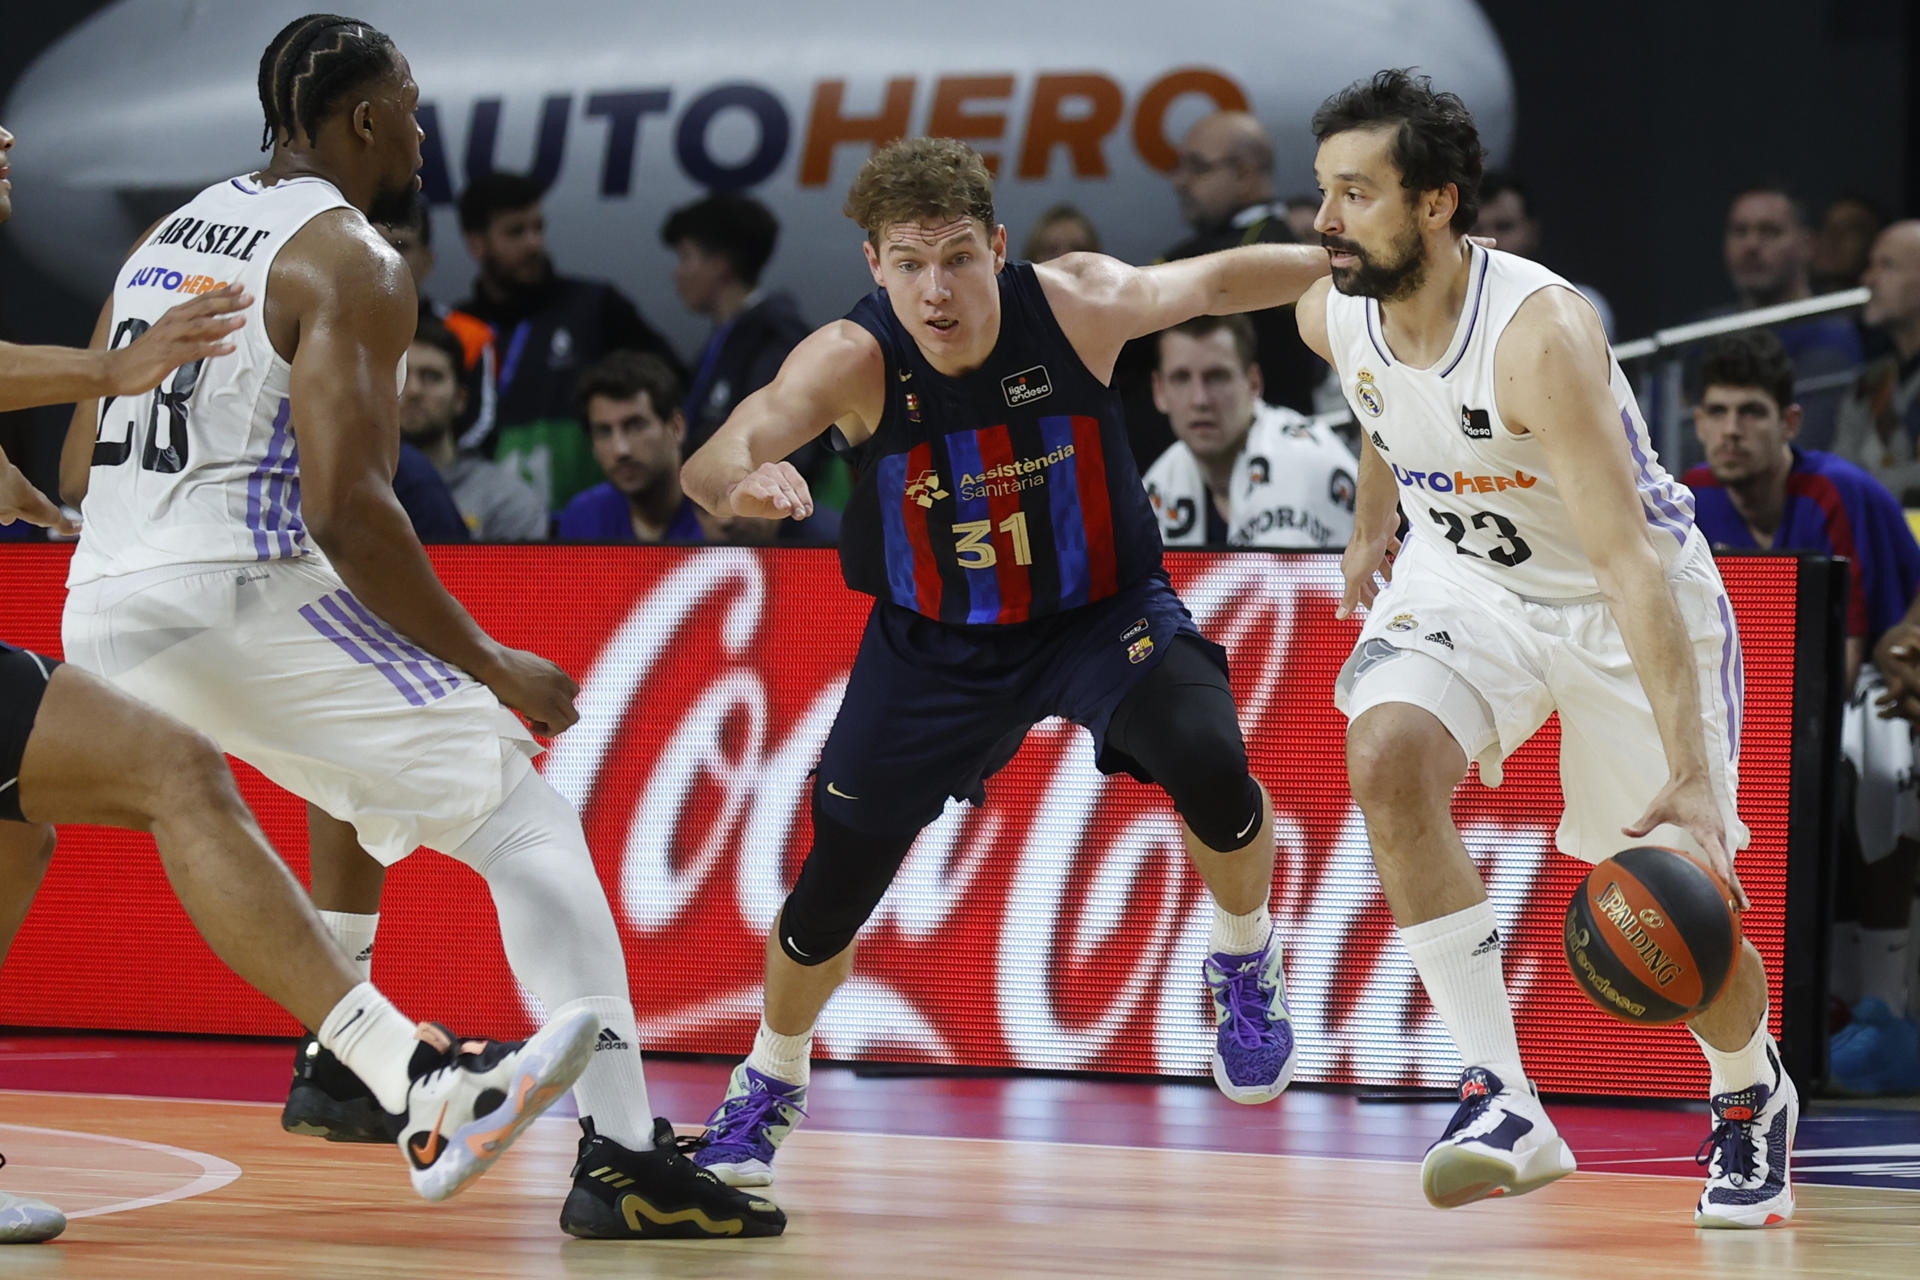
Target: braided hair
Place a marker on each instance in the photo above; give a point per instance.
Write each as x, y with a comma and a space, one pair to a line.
311, 65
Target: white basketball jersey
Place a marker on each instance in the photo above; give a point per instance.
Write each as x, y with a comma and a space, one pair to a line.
1466, 482
204, 468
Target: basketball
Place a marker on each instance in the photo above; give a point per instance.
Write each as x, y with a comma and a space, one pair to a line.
1651, 935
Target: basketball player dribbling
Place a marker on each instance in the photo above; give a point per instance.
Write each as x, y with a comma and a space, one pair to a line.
73, 749
1003, 530
1551, 565
245, 566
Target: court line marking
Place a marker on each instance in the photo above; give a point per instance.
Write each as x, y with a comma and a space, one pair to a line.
1043, 1142
215, 1172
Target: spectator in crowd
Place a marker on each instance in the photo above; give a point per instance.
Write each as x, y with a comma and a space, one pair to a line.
1841, 245
1241, 472
1758, 489
496, 504
1302, 210
549, 326
1769, 250
632, 404
479, 362
1062, 229
1879, 417
721, 245
426, 499
1223, 179
1507, 217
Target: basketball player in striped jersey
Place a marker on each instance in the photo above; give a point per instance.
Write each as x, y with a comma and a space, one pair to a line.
1551, 565
1006, 537
245, 566
73, 749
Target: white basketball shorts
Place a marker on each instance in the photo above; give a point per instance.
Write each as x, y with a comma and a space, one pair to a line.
1492, 666
283, 668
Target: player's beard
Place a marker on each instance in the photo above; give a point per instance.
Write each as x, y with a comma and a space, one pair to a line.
393, 206
1388, 279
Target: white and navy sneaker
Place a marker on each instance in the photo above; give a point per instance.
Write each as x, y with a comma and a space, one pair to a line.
1498, 1143
1253, 1047
1746, 1155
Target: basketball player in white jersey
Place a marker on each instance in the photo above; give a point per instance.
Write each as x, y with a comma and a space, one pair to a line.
1551, 564
245, 566
73, 749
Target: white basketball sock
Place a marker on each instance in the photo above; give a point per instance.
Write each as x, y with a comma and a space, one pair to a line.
1459, 961
561, 943
786, 1058
1239, 935
374, 1041
1883, 967
612, 1092
354, 933
1733, 1070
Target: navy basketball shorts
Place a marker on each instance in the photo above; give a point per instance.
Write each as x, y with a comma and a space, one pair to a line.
23, 682
933, 709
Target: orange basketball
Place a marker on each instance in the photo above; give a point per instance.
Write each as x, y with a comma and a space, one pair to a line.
1652, 935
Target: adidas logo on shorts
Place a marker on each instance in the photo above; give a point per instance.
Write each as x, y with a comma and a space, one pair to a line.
609, 1039
1438, 637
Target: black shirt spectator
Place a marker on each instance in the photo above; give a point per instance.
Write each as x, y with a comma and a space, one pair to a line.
548, 327
1224, 181
721, 246
425, 498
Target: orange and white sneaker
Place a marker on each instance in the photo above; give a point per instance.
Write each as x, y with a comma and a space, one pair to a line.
470, 1099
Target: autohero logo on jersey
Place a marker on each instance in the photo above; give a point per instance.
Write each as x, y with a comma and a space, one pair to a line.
173, 281
1011, 477
1026, 386
1460, 481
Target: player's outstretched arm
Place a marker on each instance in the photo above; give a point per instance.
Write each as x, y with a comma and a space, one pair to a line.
347, 301
1552, 371
1103, 303
196, 330
835, 377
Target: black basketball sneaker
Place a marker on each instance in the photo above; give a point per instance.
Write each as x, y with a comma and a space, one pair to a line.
328, 1101
620, 1194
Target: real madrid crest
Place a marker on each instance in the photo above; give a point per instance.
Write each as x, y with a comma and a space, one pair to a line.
1368, 394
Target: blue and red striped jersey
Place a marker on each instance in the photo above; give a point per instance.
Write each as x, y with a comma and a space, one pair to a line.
1004, 494
1838, 509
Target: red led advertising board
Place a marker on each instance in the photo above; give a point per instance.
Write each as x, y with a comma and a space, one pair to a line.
1059, 927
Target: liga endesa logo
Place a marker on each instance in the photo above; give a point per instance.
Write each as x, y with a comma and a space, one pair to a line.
1060, 925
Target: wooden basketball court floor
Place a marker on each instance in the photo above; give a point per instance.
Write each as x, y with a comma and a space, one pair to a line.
917, 1177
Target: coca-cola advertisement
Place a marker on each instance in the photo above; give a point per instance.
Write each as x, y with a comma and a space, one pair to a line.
1059, 927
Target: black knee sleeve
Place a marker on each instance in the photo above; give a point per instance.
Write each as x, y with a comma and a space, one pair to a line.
843, 879
1181, 726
